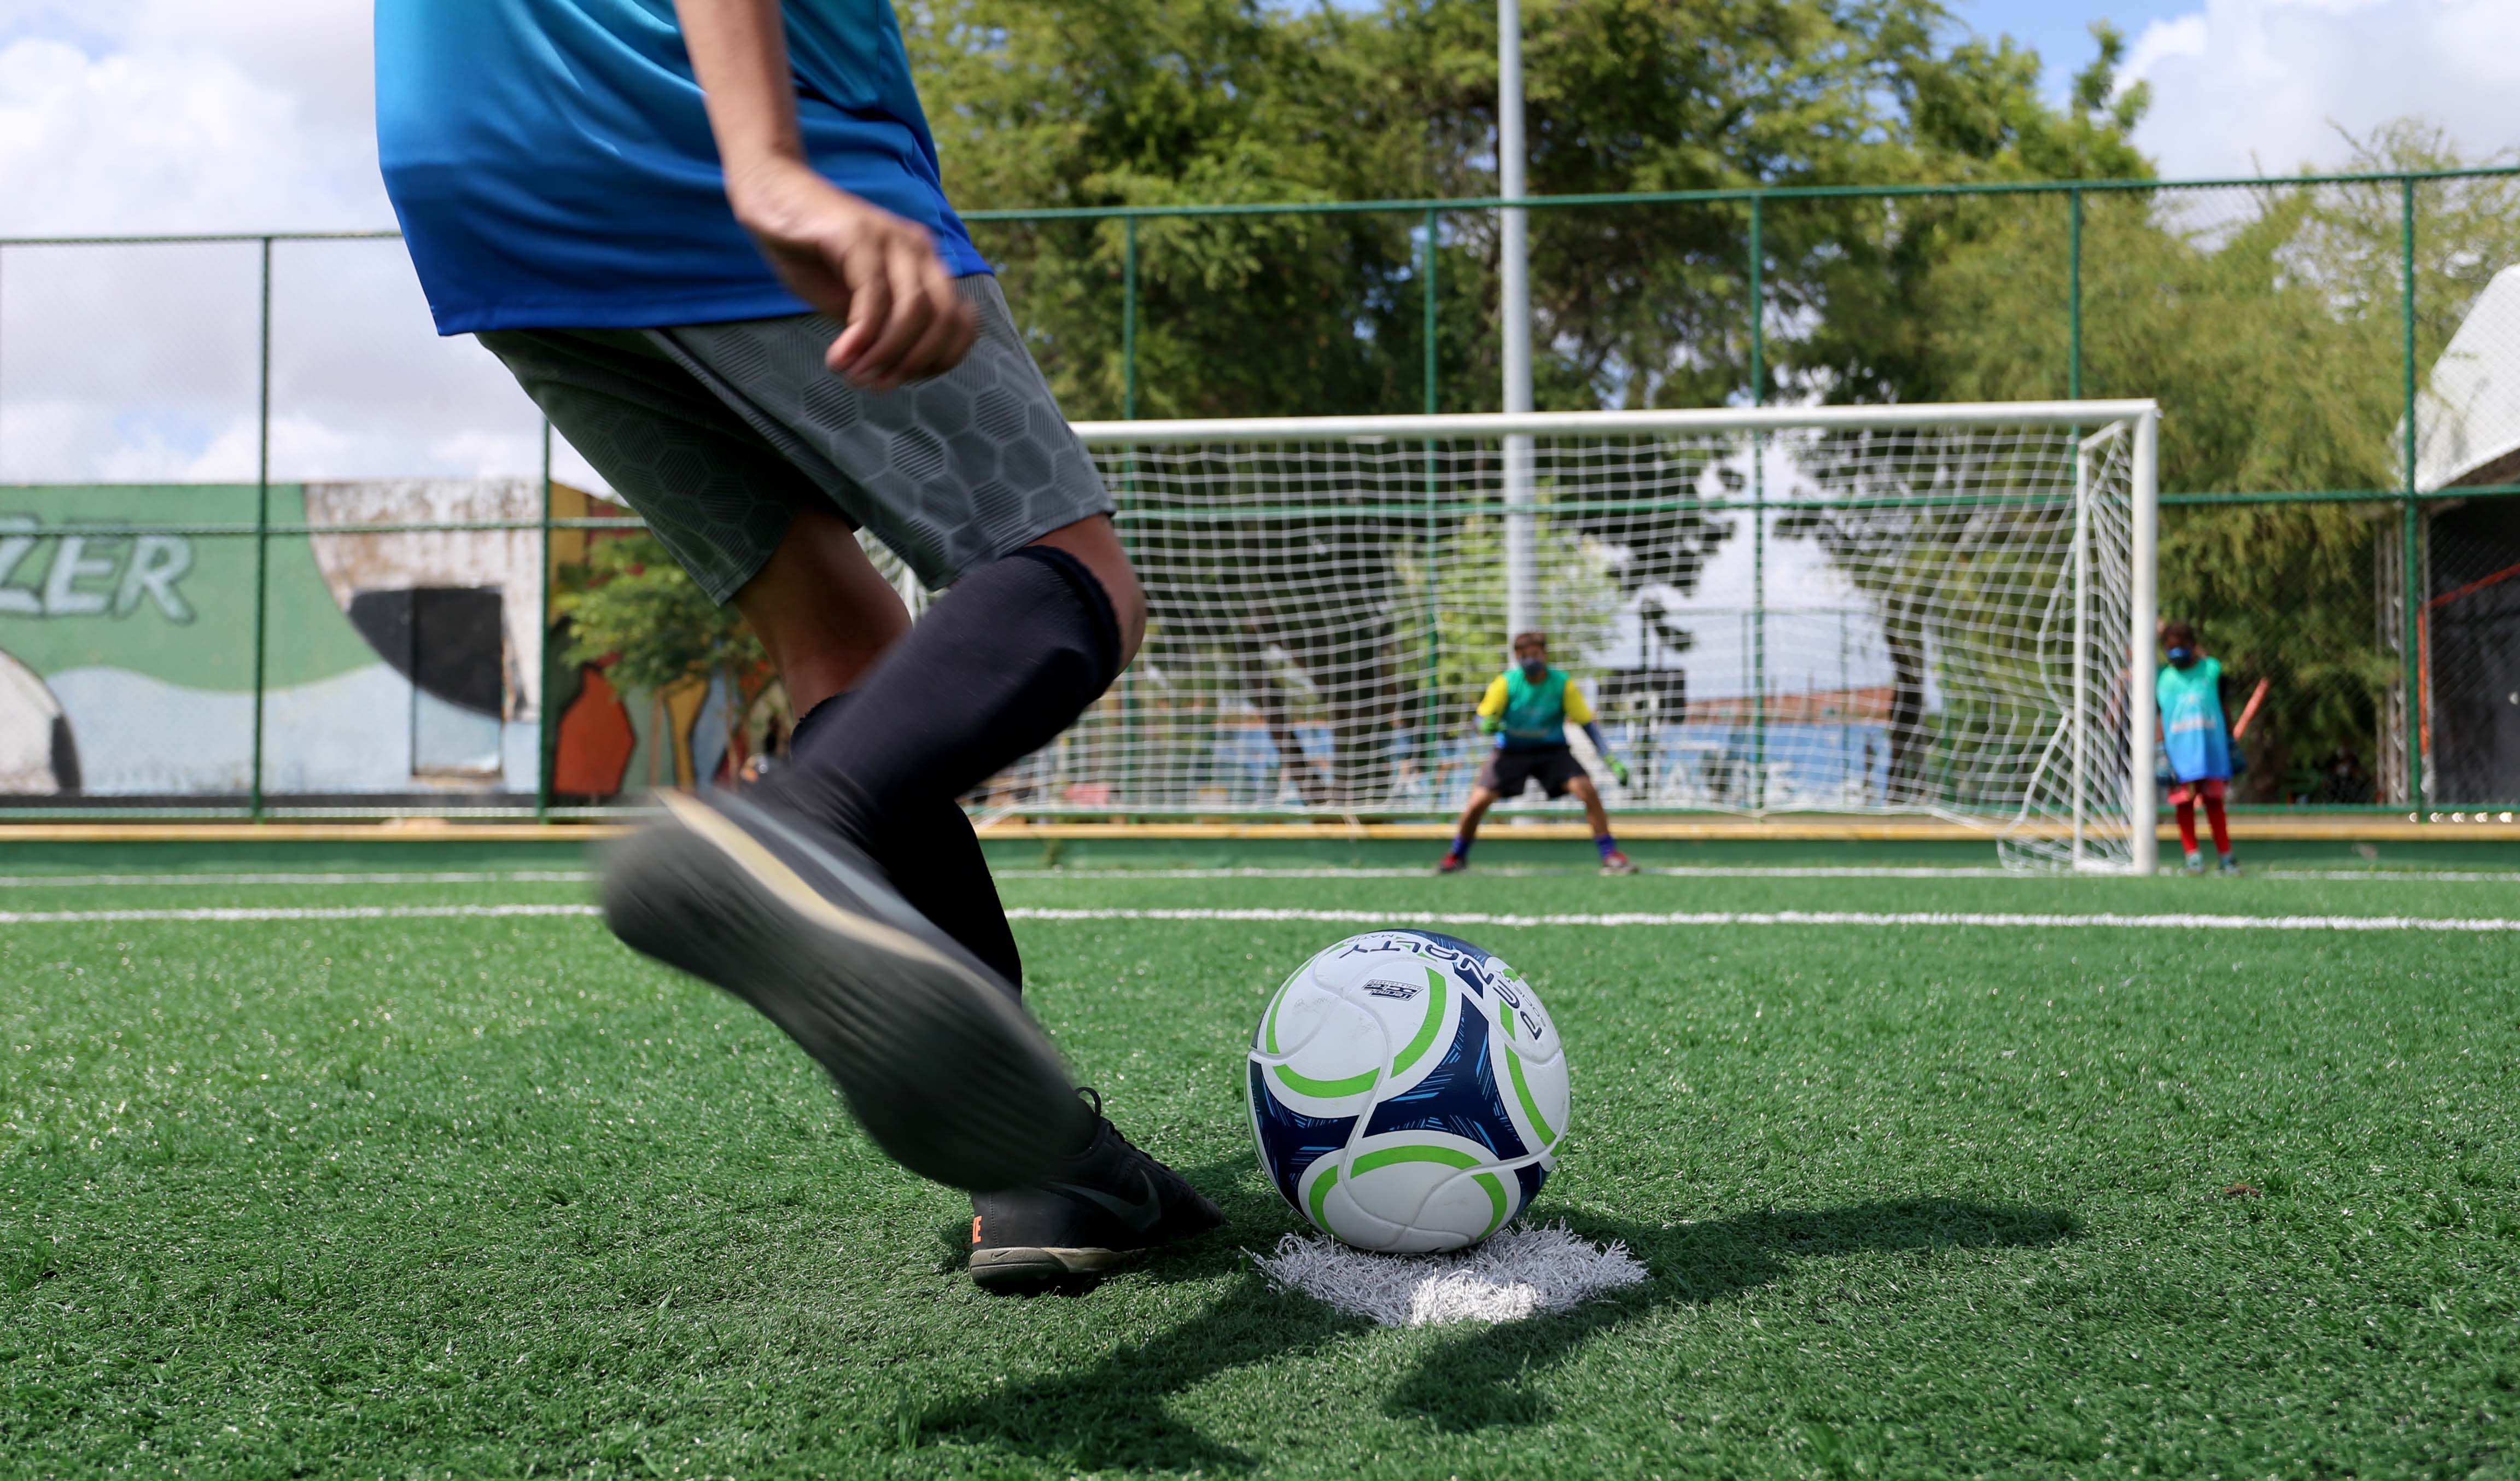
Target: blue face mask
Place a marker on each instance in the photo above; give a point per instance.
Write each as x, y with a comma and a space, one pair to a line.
1535, 669
2180, 658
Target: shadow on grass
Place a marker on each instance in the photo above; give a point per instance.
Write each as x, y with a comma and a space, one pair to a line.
1114, 1413
1481, 1377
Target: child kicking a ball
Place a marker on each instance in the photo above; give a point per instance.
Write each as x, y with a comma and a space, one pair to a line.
710, 240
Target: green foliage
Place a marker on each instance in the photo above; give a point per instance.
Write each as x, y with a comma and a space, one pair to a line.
630, 603
1058, 102
2269, 324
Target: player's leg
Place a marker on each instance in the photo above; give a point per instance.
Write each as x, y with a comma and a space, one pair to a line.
1467, 832
825, 613
1597, 817
2215, 818
923, 1038
821, 608
2184, 802
975, 480
1004, 663
1110, 1199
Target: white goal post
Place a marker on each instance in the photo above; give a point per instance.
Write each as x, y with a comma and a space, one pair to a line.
1876, 609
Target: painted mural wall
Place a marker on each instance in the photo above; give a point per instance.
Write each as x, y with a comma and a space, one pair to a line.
396, 662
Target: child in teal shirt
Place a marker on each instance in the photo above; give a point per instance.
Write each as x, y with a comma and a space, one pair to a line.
2196, 737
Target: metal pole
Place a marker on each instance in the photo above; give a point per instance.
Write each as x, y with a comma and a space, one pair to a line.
2073, 297
1758, 508
1129, 481
2410, 528
1513, 270
1433, 311
2081, 645
1845, 713
1434, 706
2142, 720
546, 722
1129, 319
261, 535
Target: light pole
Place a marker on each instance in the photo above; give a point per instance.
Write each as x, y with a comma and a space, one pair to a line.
1513, 275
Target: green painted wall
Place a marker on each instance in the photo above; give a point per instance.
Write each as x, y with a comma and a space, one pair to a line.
177, 608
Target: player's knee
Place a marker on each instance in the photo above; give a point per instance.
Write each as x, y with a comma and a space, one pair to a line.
1584, 790
1097, 546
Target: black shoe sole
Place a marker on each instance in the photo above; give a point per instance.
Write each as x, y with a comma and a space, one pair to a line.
1015, 1269
946, 1072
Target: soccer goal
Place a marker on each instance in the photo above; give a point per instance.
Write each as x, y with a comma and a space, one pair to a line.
1918, 610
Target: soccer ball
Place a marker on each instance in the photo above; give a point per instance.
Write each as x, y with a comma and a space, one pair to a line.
1408, 1091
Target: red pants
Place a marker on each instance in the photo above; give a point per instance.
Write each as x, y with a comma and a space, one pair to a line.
2185, 796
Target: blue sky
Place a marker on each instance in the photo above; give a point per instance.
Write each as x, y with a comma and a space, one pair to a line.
2060, 30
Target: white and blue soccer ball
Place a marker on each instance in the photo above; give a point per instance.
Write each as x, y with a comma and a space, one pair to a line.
1408, 1091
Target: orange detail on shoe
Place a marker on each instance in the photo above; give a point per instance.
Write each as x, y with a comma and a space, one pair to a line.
975, 1229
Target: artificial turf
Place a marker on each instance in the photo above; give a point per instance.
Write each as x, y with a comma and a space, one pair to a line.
489, 1197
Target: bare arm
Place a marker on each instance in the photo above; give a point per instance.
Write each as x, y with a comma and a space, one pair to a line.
875, 272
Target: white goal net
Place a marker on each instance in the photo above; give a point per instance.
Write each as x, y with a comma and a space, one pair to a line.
1918, 610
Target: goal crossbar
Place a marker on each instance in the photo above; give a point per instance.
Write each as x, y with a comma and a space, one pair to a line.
1742, 418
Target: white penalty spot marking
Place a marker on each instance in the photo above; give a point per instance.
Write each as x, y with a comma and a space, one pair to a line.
1523, 1272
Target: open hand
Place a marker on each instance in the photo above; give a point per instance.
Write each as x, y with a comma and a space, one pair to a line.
875, 273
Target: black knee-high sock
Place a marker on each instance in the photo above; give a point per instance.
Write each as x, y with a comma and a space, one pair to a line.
993, 672
935, 859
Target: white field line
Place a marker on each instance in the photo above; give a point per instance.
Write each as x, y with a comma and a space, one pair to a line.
2000, 921
97, 881
1740, 872
1256, 871
221, 915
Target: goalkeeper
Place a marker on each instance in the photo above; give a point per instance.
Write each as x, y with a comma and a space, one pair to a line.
1526, 708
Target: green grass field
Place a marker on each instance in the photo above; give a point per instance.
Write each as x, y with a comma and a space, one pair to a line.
473, 1195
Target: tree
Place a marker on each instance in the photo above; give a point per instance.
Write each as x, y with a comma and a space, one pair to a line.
633, 608
2269, 325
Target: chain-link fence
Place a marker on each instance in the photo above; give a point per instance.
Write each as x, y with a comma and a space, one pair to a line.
268, 545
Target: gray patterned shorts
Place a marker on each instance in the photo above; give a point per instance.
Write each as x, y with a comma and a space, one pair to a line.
718, 432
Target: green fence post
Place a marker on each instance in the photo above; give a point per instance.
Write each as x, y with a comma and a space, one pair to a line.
547, 739
1129, 317
1129, 483
1428, 740
261, 535
1758, 508
2411, 527
2074, 297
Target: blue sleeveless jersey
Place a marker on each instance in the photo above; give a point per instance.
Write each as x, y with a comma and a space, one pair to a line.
553, 166
2194, 733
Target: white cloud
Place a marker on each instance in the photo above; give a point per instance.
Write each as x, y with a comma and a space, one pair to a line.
139, 362
2264, 86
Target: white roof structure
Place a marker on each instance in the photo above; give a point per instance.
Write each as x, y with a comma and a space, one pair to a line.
2470, 416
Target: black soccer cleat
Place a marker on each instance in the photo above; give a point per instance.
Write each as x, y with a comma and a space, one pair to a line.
1103, 1205
945, 1070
